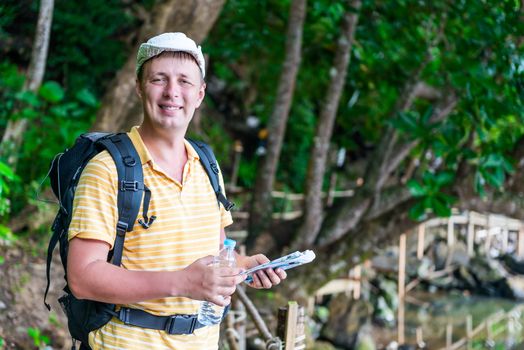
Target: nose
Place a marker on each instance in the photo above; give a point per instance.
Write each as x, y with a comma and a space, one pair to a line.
171, 90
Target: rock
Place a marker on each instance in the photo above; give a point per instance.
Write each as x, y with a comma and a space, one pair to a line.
425, 266
345, 319
3, 306
487, 270
458, 255
516, 284
392, 346
385, 300
512, 264
440, 254
465, 278
365, 339
323, 345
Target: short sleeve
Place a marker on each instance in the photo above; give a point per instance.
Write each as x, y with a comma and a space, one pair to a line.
95, 208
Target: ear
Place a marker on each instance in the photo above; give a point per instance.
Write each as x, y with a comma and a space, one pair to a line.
138, 88
201, 94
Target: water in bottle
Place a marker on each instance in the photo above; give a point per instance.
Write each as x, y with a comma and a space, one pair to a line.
210, 314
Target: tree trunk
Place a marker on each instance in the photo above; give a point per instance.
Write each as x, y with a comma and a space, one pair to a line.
313, 208
120, 106
15, 129
261, 208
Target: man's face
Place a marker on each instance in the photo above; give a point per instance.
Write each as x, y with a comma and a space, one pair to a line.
171, 89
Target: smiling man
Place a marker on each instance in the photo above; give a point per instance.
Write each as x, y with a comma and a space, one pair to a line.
165, 269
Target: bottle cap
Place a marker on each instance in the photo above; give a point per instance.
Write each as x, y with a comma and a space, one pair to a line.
230, 243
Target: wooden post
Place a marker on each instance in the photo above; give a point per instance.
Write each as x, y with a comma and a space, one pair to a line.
520, 242
331, 189
357, 273
451, 232
284, 205
420, 338
449, 335
400, 320
287, 328
471, 237
420, 242
240, 325
505, 239
238, 149
402, 266
487, 243
489, 333
401, 286
469, 331
300, 336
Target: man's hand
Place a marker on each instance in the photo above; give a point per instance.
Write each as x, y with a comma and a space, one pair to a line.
207, 282
266, 278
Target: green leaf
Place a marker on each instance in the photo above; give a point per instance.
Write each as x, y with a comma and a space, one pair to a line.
59, 111
416, 189
444, 178
440, 207
417, 212
494, 178
6, 171
493, 160
508, 167
44, 339
28, 98
427, 115
479, 184
52, 92
85, 96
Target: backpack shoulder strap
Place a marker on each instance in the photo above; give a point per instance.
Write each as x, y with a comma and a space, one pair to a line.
130, 186
209, 162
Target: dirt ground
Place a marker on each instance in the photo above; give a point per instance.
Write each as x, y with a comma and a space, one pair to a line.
22, 286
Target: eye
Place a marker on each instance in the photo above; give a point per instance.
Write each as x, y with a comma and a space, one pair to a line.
158, 80
186, 82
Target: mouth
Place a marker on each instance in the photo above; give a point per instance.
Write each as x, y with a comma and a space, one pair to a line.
170, 107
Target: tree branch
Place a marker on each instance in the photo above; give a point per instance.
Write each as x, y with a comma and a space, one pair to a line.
313, 208
15, 129
261, 208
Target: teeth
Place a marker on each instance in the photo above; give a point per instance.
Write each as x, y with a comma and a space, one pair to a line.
170, 108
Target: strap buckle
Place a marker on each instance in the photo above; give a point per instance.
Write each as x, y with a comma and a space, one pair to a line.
121, 228
181, 324
129, 186
123, 315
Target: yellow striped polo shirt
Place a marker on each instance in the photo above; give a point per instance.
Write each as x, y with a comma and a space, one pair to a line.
187, 227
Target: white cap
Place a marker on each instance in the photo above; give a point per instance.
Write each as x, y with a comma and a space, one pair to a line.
169, 42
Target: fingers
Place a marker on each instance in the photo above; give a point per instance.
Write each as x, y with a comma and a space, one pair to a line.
206, 260
218, 287
268, 278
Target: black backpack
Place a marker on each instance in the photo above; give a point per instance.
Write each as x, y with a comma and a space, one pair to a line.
84, 316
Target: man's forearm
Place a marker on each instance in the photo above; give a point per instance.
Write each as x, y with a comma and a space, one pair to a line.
108, 283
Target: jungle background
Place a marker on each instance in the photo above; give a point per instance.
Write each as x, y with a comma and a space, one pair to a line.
414, 106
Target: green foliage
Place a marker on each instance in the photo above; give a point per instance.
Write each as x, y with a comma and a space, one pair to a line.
88, 41
55, 118
39, 340
431, 198
468, 48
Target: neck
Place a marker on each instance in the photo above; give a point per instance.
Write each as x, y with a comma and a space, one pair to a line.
167, 149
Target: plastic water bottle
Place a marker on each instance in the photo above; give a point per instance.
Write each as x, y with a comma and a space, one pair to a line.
210, 314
